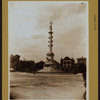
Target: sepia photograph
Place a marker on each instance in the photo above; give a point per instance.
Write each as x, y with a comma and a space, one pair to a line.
48, 49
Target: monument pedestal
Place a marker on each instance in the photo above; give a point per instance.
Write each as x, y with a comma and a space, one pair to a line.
45, 69
50, 67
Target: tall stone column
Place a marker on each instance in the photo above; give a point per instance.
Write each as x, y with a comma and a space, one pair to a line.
50, 54
50, 65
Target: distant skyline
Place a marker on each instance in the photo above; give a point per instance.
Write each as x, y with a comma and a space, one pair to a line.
28, 27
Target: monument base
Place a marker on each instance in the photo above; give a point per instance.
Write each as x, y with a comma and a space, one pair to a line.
50, 68
45, 69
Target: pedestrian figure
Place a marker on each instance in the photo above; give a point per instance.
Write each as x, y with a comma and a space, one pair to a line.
34, 72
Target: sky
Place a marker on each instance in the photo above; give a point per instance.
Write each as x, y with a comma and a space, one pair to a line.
28, 27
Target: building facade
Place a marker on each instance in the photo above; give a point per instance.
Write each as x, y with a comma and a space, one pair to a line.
14, 61
67, 64
81, 60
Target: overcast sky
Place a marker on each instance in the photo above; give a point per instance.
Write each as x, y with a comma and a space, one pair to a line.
28, 26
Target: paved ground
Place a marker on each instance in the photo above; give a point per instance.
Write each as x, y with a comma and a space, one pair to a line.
46, 86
